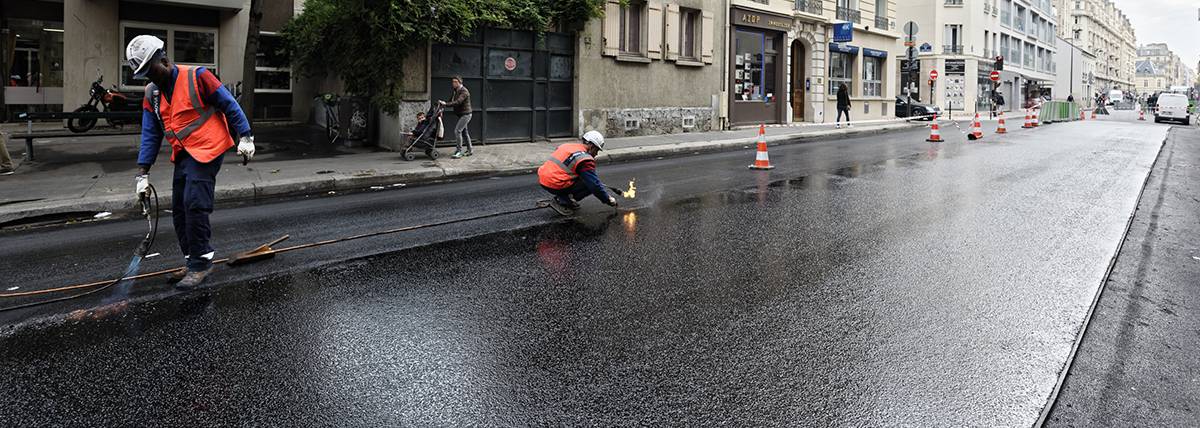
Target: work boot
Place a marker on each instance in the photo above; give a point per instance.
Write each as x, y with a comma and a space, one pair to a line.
177, 276
7, 171
193, 279
468, 153
457, 155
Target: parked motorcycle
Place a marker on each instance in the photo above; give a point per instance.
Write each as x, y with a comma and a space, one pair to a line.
108, 100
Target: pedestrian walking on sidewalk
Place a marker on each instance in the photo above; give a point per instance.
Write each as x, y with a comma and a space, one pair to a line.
843, 105
189, 107
6, 163
462, 107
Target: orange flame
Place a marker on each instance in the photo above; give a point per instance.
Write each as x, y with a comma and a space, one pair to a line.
632, 192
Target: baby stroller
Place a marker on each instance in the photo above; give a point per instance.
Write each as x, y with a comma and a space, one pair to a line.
426, 134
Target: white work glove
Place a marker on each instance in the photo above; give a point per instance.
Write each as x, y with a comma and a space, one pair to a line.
246, 146
612, 202
141, 185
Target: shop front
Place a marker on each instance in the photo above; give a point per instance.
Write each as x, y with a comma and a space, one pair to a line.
757, 67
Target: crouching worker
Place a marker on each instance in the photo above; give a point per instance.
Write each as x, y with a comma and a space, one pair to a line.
191, 109
570, 174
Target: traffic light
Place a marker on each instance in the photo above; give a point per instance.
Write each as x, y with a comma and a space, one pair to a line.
999, 66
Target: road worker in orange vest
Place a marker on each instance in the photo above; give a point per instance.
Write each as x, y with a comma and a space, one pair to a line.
190, 108
570, 174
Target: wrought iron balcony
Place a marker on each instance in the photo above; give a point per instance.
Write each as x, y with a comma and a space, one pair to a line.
882, 23
848, 14
814, 7
952, 49
954, 2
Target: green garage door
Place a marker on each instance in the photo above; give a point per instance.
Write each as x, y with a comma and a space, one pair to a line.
521, 85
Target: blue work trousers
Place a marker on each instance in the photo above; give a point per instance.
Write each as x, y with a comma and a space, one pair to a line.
578, 191
191, 203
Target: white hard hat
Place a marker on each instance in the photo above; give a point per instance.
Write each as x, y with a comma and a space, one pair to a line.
594, 138
141, 52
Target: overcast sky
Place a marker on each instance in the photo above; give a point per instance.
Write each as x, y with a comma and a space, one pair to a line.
1174, 22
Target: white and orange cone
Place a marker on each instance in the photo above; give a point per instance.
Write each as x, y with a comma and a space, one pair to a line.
1028, 120
1036, 112
935, 134
1002, 129
761, 160
976, 129
1142, 114
1094, 113
1082, 115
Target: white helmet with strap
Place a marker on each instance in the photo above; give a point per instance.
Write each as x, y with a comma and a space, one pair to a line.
594, 138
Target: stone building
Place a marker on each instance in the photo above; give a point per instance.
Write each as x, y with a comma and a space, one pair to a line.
784, 66
964, 39
1167, 69
1074, 77
1102, 29
52, 61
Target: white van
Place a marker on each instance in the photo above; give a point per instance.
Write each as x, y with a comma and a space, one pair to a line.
1172, 107
1115, 96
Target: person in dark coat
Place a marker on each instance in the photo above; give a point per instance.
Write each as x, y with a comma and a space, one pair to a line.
843, 105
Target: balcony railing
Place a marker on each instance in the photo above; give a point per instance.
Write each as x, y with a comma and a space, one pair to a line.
814, 7
882, 23
954, 2
987, 8
952, 49
848, 14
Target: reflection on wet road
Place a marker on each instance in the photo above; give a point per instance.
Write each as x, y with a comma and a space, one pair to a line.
942, 286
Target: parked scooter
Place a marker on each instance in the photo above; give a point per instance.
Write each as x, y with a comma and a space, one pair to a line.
108, 100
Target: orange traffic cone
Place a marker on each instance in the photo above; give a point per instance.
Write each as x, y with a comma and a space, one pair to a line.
1028, 120
935, 135
1142, 114
1002, 129
761, 161
976, 129
1094, 114
1036, 112
1082, 115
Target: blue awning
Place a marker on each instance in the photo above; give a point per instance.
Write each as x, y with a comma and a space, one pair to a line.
874, 53
833, 47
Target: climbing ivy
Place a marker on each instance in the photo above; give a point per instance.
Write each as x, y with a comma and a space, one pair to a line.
365, 42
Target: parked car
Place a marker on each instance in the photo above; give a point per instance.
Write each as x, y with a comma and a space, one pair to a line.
1172, 107
918, 109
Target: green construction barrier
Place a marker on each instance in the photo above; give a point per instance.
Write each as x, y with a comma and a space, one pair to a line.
1058, 111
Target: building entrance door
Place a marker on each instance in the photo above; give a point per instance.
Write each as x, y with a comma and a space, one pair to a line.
799, 76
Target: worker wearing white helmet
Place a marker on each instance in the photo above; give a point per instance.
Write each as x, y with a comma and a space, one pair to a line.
570, 174
190, 108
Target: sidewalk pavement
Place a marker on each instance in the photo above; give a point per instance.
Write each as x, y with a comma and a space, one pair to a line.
83, 176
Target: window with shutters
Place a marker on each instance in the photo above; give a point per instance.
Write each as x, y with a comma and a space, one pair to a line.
689, 34
632, 28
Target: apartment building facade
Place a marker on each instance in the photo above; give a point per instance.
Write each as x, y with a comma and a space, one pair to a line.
1102, 29
1074, 78
784, 66
963, 40
1159, 69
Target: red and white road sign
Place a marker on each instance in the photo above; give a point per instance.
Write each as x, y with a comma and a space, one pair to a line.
995, 76
933, 74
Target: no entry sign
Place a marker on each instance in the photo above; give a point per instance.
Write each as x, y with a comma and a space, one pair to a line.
995, 76
933, 74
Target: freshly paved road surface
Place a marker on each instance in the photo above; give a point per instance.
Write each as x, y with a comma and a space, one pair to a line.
881, 281
1138, 363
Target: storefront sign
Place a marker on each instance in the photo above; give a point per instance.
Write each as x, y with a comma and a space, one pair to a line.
762, 20
843, 32
875, 53
843, 48
510, 63
956, 66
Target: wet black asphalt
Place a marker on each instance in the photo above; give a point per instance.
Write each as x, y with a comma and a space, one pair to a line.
1138, 363
865, 281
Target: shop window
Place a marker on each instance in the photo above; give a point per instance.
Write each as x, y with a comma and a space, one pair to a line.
755, 66
196, 46
872, 77
689, 35
632, 28
36, 54
841, 69
272, 69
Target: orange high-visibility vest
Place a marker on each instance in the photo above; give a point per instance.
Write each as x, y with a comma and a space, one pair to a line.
188, 123
559, 172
